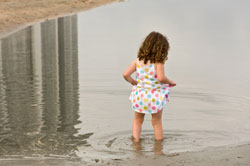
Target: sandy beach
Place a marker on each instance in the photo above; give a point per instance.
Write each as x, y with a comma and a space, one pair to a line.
224, 156
230, 156
15, 14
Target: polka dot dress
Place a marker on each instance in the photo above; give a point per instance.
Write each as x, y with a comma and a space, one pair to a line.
149, 96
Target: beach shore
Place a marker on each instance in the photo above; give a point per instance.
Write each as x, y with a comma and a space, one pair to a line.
223, 156
15, 14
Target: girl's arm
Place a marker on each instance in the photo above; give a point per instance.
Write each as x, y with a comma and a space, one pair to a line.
130, 70
161, 76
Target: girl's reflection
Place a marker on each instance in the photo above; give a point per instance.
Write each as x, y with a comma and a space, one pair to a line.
157, 149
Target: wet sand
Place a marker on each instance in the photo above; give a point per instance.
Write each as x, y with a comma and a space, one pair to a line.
15, 14
229, 156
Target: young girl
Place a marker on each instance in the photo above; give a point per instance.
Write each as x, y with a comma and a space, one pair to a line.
151, 88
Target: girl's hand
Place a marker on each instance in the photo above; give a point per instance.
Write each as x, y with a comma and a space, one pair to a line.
134, 82
172, 83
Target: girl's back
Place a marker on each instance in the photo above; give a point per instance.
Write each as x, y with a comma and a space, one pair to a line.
149, 95
151, 88
146, 76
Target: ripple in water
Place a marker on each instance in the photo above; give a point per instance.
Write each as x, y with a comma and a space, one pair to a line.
120, 145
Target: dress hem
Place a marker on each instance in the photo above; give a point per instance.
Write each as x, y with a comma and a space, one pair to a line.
147, 112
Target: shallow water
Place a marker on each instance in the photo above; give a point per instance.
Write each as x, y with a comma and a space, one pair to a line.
62, 94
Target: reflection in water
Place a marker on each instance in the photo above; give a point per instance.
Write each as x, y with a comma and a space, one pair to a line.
39, 104
157, 147
39, 90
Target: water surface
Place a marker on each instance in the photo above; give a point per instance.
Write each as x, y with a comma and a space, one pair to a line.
62, 94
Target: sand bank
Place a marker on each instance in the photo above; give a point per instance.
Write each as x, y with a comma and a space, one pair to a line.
224, 156
15, 13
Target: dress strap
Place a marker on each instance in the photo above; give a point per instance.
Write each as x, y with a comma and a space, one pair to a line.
137, 61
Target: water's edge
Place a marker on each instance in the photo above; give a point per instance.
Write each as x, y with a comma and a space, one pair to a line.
8, 29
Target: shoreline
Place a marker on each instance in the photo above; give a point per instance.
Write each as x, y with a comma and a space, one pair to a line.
15, 15
237, 155
219, 156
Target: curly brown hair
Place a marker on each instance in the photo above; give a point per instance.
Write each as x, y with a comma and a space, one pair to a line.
154, 48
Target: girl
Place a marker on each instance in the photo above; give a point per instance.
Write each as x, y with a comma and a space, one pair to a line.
151, 88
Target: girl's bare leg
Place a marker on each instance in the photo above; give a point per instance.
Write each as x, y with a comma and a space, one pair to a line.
137, 124
157, 124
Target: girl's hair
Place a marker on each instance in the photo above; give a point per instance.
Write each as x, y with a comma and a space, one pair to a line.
154, 48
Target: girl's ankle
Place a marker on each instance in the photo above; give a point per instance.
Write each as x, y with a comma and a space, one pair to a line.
135, 139
158, 140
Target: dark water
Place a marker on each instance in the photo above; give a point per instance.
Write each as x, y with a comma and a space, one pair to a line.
62, 94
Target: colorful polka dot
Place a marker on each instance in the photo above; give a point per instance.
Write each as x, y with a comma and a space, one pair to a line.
149, 95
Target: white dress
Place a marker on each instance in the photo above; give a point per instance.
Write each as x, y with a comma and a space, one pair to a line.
149, 96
